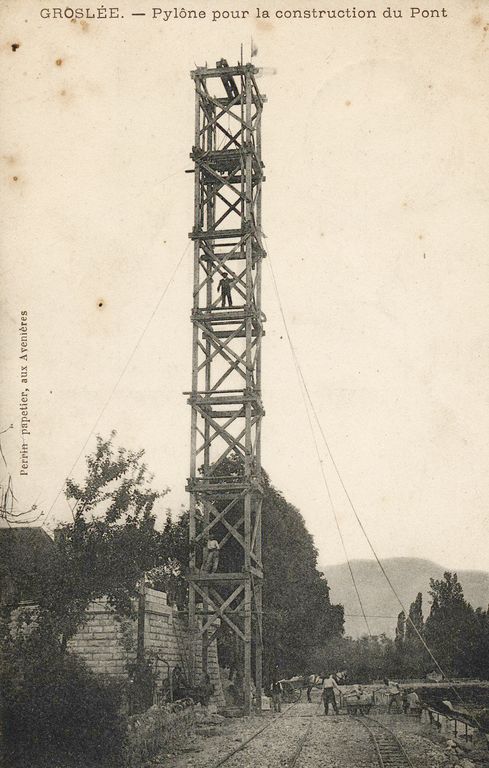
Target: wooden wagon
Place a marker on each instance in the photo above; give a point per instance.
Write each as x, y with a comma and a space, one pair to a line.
357, 703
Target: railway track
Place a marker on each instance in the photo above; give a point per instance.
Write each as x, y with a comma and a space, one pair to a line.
293, 757
390, 752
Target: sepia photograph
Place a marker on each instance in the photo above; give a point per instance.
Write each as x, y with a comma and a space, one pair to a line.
244, 372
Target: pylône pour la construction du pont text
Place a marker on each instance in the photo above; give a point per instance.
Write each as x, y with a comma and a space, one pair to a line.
219, 15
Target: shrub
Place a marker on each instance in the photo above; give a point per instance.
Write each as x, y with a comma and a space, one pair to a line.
56, 710
154, 730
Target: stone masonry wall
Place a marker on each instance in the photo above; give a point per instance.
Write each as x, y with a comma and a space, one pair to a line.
101, 641
104, 641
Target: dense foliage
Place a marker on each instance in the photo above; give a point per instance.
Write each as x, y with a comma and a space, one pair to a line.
298, 615
104, 552
106, 549
453, 641
457, 634
53, 708
49, 696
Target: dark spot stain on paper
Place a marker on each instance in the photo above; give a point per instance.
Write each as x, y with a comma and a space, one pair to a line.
15, 46
66, 97
83, 24
265, 25
420, 237
15, 178
348, 103
100, 303
59, 62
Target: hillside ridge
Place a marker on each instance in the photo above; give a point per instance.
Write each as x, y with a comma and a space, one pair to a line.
409, 575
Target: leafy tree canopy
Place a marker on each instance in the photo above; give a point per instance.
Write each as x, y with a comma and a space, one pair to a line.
108, 546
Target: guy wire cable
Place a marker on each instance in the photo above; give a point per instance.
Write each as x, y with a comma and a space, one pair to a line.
362, 527
119, 379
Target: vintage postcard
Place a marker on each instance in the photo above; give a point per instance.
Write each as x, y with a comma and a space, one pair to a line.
250, 240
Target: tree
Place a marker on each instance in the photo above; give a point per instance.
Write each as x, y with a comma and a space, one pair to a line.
400, 629
450, 624
415, 623
477, 653
102, 553
298, 614
108, 546
415, 659
169, 576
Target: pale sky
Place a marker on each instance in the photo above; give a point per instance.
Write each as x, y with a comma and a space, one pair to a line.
375, 212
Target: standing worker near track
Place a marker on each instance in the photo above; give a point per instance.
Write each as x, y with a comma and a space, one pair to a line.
394, 695
312, 680
328, 694
276, 690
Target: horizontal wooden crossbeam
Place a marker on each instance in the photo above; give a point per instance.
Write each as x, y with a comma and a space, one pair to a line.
211, 578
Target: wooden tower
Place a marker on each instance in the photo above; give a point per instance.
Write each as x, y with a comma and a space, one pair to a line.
225, 583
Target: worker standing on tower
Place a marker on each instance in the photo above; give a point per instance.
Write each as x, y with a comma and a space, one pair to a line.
211, 561
224, 288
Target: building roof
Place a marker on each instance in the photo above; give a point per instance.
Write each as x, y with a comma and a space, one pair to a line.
23, 554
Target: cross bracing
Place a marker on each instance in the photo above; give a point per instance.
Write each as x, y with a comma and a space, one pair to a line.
225, 471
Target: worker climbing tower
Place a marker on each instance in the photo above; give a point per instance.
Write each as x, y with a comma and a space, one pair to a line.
225, 568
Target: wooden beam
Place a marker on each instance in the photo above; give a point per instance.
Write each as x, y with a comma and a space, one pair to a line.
210, 578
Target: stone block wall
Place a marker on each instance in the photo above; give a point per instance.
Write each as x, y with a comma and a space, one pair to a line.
108, 644
102, 642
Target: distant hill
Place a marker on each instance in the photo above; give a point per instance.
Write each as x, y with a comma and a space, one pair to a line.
408, 575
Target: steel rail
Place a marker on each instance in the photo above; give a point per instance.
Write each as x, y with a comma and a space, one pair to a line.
386, 756
245, 743
291, 761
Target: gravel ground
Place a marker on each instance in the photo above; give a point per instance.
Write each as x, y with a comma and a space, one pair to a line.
332, 742
426, 748
337, 742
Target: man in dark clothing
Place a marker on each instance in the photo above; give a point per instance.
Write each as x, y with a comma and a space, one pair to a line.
179, 684
312, 680
206, 690
224, 288
276, 691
